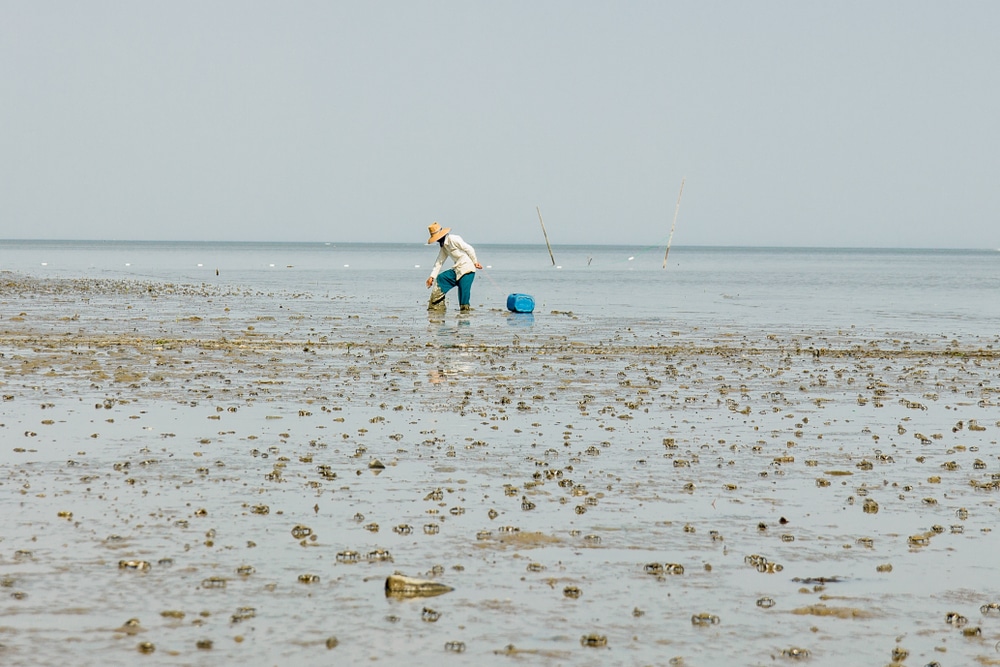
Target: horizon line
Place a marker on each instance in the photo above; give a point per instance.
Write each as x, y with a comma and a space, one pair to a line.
486, 243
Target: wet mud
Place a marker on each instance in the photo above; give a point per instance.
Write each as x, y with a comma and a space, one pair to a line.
194, 474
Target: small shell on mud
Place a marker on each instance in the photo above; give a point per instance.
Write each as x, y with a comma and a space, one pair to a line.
991, 607
139, 565
301, 532
795, 652
704, 619
594, 640
956, 619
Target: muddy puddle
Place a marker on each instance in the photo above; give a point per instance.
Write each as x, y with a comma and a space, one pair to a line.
204, 475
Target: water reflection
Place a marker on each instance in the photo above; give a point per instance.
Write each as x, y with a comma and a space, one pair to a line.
441, 325
521, 319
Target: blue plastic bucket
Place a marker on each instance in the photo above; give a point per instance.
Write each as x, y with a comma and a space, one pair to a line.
520, 303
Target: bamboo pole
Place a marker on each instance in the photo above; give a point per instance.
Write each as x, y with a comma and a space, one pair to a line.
546, 235
674, 225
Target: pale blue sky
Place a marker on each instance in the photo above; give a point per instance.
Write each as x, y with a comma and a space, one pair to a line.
795, 123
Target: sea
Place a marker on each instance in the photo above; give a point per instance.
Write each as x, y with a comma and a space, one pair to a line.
218, 453
910, 291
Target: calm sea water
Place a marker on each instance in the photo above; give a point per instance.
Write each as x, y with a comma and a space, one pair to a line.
913, 292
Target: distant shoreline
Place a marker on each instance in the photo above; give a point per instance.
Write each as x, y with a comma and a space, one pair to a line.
334, 244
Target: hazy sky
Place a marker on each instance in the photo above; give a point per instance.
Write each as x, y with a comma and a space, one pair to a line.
836, 123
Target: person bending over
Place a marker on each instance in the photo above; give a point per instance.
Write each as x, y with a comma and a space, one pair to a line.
460, 275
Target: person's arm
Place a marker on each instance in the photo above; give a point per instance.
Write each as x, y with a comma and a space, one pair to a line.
469, 251
442, 255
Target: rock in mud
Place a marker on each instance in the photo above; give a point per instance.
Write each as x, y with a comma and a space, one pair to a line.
401, 586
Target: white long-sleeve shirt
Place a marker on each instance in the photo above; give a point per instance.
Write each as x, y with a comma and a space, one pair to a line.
460, 252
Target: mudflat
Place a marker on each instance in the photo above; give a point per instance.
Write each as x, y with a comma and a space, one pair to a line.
206, 474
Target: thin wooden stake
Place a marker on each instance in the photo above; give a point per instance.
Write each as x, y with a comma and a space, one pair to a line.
544, 233
674, 225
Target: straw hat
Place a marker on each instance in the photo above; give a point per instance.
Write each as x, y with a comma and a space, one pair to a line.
437, 233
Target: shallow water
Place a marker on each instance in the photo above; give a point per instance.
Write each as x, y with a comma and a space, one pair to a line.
184, 423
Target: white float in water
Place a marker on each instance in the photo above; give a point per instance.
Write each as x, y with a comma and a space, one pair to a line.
631, 258
200, 265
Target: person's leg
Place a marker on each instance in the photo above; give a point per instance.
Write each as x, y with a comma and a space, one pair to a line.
465, 288
446, 280
437, 300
